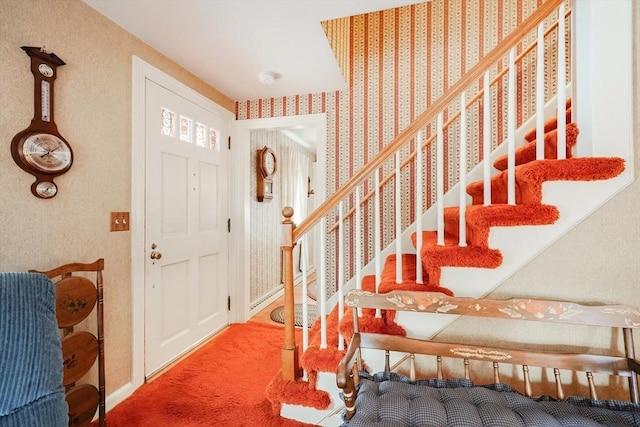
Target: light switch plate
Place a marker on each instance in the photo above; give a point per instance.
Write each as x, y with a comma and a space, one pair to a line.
119, 221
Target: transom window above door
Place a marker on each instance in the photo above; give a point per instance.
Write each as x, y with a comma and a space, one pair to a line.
188, 130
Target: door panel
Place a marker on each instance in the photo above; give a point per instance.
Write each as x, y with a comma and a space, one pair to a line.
174, 175
208, 302
208, 197
174, 300
186, 283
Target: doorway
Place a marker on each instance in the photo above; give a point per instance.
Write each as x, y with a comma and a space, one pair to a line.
289, 126
179, 214
186, 206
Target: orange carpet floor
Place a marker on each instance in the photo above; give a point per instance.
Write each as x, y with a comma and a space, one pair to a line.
221, 384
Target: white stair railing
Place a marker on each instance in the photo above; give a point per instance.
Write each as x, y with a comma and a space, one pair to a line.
442, 135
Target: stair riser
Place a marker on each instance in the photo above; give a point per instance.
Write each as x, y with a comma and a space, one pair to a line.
327, 382
575, 201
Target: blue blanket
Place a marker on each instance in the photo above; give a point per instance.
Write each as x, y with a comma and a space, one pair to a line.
392, 400
31, 391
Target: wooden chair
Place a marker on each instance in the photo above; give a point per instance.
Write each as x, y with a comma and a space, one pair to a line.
76, 296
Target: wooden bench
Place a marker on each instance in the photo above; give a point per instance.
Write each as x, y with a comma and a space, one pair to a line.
618, 317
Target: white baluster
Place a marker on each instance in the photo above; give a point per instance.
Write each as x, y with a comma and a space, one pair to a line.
305, 306
462, 186
419, 189
341, 275
540, 93
562, 86
398, 221
440, 180
511, 130
486, 139
377, 234
322, 284
358, 231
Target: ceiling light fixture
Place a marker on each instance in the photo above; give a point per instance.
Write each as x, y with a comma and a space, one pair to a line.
267, 77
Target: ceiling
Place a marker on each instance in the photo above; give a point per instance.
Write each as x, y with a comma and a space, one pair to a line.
228, 42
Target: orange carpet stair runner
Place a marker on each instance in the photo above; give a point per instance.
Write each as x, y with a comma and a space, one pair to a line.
529, 210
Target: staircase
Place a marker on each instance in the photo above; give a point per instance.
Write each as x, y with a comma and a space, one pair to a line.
519, 201
517, 223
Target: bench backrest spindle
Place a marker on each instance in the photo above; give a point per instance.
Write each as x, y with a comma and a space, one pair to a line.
615, 317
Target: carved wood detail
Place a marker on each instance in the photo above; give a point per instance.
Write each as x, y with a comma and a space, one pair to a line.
76, 297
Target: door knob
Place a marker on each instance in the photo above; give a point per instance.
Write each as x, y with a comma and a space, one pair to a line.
155, 255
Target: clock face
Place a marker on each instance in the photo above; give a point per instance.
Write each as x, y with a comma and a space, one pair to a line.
46, 189
270, 163
45, 70
46, 153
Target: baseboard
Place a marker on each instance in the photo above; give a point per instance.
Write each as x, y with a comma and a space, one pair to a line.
266, 300
119, 395
276, 293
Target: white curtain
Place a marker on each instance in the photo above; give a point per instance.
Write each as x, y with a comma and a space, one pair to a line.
295, 169
295, 172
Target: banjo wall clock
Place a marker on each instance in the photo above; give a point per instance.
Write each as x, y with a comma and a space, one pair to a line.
266, 168
40, 149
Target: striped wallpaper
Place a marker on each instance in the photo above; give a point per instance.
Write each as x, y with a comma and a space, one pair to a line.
400, 61
266, 218
339, 35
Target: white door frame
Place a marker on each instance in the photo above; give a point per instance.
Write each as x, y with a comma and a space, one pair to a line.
240, 176
141, 71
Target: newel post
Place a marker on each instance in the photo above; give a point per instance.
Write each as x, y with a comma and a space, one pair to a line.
290, 370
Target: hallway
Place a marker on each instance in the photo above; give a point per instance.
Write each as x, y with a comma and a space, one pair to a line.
264, 315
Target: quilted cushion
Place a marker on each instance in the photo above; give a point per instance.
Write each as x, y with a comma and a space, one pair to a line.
31, 391
395, 401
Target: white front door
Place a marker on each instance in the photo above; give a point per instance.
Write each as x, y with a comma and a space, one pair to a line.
186, 239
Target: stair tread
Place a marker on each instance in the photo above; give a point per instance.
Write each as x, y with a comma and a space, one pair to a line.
527, 152
530, 176
552, 123
479, 219
408, 268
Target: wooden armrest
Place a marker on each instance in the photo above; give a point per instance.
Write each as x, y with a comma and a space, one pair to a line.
344, 377
346, 363
634, 365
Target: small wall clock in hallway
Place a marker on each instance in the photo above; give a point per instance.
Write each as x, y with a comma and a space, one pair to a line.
267, 166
